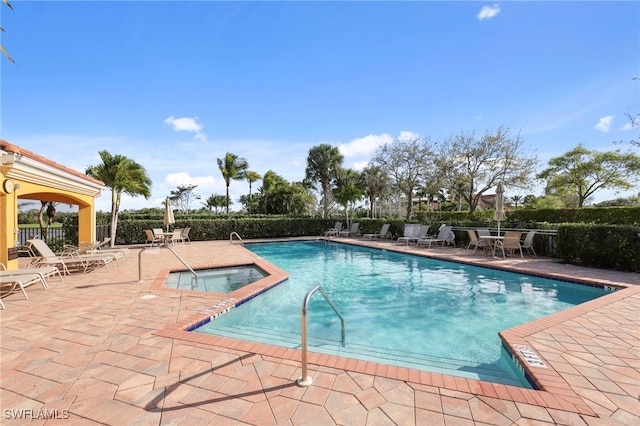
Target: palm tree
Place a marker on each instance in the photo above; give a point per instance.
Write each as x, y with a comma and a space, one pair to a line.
348, 189
232, 167
251, 176
121, 174
323, 163
376, 184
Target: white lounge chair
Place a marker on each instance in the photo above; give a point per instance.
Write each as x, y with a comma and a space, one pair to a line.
20, 282
411, 231
49, 258
44, 271
102, 247
334, 231
351, 231
442, 237
383, 233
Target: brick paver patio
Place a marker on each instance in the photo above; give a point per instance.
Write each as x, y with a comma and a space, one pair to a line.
109, 348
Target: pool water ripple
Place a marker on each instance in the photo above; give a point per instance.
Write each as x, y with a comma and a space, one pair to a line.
399, 309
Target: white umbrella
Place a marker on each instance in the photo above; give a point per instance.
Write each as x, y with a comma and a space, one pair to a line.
168, 214
499, 215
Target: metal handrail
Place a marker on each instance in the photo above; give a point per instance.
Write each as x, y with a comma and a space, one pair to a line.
172, 251
305, 380
236, 234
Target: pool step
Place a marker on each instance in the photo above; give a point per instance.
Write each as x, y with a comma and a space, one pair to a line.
487, 372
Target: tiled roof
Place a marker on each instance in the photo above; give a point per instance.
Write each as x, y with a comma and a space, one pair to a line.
14, 149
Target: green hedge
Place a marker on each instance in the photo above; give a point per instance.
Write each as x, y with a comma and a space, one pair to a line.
606, 246
610, 247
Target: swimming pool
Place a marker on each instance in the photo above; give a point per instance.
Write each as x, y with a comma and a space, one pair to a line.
399, 309
216, 280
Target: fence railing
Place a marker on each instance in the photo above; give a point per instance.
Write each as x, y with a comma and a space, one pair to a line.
102, 231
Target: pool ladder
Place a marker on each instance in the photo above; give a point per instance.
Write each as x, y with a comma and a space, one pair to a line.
306, 380
236, 234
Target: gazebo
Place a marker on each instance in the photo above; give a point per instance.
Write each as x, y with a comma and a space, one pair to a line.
25, 175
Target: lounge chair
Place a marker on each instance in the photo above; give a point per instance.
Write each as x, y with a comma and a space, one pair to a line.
443, 237
527, 244
511, 243
351, 231
21, 281
49, 258
45, 272
475, 242
382, 234
411, 231
334, 231
102, 247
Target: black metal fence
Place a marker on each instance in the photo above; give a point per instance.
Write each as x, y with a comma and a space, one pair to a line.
58, 233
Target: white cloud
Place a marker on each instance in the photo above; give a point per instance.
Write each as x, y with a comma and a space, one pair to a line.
488, 12
364, 146
173, 180
408, 136
627, 126
604, 125
186, 124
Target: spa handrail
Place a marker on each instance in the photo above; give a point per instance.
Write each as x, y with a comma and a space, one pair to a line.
184, 262
236, 234
306, 380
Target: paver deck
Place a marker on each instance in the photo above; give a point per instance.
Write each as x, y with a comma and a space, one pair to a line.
109, 348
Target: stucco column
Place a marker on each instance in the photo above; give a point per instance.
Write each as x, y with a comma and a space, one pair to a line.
86, 223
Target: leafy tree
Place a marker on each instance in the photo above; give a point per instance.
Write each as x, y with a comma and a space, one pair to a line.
408, 162
121, 174
232, 167
582, 172
517, 200
214, 202
544, 202
375, 183
348, 189
183, 196
323, 162
278, 196
251, 176
475, 165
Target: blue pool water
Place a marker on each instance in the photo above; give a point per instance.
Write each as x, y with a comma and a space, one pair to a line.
399, 309
218, 280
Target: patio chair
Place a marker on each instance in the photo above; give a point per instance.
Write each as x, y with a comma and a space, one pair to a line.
511, 243
351, 231
527, 244
185, 235
176, 237
475, 242
49, 258
334, 231
443, 237
152, 238
382, 234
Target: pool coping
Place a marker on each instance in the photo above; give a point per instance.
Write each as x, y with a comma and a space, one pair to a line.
553, 390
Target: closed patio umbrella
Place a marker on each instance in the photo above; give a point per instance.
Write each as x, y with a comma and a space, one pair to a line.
499, 215
168, 214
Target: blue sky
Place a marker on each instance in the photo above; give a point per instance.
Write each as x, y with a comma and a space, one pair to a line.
176, 85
